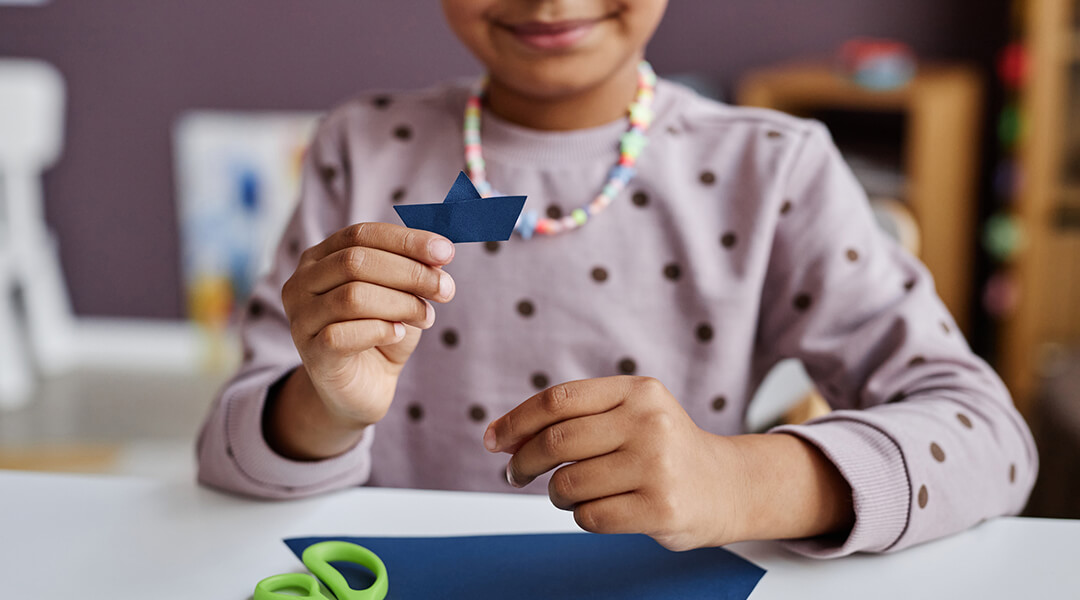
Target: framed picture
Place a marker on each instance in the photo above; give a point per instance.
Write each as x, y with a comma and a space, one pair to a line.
238, 178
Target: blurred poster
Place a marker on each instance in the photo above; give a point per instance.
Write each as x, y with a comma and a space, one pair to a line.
238, 177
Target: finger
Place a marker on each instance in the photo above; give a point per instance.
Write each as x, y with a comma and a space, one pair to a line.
380, 267
592, 479
352, 337
358, 300
424, 246
553, 405
624, 513
563, 442
400, 351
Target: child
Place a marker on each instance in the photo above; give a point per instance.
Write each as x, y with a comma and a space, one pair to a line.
734, 238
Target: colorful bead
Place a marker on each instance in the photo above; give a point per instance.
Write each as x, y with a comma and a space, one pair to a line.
526, 224
640, 114
631, 144
621, 173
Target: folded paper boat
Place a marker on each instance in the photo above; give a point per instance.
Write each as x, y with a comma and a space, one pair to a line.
466, 216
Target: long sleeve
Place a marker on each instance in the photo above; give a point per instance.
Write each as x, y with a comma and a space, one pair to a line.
924, 431
232, 452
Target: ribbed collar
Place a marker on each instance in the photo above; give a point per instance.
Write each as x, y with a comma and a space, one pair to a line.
507, 143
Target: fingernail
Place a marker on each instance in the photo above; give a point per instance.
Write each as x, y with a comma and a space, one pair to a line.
441, 250
510, 477
399, 331
429, 318
446, 285
489, 439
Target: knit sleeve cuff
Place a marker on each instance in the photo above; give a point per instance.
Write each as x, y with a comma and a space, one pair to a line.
874, 467
278, 476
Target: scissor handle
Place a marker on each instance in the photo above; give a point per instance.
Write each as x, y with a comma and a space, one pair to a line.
318, 557
268, 588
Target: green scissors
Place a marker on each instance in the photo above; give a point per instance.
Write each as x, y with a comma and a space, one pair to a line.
317, 559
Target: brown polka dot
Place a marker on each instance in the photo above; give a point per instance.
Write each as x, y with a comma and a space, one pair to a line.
1012, 473
249, 354
672, 130
599, 274
492, 247
803, 301
477, 413
707, 177
897, 397
673, 272
964, 420
937, 452
255, 309
640, 199
909, 285
554, 212
327, 173
945, 327
785, 208
774, 134
526, 308
719, 403
415, 412
923, 496
627, 366
916, 361
852, 254
403, 132
540, 381
450, 338
728, 240
381, 101
229, 451
397, 195
704, 332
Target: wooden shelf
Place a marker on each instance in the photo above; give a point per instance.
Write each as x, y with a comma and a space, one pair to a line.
942, 106
1047, 268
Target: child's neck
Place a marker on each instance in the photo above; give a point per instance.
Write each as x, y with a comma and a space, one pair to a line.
598, 105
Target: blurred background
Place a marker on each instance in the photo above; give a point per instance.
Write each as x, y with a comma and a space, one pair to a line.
149, 154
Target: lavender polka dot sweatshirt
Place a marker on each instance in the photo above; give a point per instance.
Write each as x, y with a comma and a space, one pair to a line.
743, 240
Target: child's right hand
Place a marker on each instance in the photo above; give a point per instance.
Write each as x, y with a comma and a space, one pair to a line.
356, 305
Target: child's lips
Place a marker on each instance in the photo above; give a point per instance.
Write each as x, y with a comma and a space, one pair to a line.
559, 35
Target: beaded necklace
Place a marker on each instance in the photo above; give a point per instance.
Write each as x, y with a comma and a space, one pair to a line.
630, 146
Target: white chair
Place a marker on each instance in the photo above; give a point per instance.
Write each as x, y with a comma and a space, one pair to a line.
31, 133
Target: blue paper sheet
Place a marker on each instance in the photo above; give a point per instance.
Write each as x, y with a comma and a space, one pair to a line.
465, 216
548, 567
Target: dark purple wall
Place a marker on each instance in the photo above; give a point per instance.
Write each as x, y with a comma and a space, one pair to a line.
132, 66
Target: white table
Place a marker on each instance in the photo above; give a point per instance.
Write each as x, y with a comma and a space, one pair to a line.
97, 537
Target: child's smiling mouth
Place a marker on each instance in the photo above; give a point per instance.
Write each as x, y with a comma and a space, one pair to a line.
552, 35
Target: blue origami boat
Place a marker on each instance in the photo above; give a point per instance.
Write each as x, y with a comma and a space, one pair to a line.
464, 215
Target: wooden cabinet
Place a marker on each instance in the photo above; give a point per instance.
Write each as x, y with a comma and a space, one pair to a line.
941, 112
1046, 267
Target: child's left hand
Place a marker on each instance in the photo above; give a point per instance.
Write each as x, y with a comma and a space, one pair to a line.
639, 464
